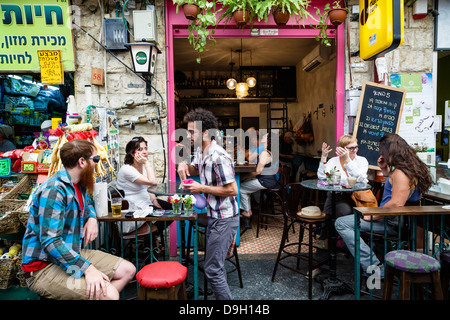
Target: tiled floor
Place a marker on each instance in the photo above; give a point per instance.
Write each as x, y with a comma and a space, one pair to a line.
268, 240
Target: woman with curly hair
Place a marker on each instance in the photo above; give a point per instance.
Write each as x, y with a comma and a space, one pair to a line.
407, 178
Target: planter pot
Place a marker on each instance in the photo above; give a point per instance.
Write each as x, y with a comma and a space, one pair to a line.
241, 19
190, 11
280, 18
337, 16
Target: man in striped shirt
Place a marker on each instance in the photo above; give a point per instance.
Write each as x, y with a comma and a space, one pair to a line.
216, 170
61, 217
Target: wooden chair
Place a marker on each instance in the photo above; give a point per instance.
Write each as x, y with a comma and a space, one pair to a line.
272, 198
291, 206
411, 267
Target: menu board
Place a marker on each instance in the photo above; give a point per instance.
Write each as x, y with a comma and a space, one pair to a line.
379, 112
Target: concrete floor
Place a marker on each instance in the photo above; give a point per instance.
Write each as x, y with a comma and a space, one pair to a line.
257, 272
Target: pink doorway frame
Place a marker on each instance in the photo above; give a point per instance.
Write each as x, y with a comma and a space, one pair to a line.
176, 27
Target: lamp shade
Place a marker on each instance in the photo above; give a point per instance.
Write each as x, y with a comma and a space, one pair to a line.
143, 55
251, 82
242, 89
231, 83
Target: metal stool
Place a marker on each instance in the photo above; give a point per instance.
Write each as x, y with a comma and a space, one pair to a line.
411, 267
162, 280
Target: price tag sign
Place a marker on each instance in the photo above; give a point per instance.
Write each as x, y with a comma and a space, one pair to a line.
51, 66
5, 167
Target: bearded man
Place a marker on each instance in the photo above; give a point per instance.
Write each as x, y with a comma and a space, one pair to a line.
61, 219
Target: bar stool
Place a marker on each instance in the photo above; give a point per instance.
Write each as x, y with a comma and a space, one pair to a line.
445, 272
162, 280
411, 267
290, 209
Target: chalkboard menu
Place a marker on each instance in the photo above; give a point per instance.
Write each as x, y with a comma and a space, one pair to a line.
379, 112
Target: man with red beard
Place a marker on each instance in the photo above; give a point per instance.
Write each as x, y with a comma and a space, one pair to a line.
61, 217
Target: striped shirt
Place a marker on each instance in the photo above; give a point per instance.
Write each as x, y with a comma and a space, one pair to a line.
217, 169
55, 225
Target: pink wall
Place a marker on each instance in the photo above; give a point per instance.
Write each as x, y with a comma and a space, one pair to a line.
176, 27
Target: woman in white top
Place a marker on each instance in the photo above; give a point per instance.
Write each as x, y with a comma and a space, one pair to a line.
354, 165
135, 176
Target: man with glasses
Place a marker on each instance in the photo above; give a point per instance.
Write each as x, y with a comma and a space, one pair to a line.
216, 170
61, 222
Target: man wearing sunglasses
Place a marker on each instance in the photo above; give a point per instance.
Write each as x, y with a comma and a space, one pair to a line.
61, 223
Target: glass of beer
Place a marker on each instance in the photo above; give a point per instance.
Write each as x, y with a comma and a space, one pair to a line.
116, 207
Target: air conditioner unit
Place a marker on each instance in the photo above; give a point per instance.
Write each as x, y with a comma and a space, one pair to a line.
316, 58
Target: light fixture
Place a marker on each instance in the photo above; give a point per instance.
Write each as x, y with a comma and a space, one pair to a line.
241, 87
143, 55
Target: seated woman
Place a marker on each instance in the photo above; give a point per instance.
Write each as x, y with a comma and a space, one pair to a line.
407, 178
349, 164
135, 176
264, 177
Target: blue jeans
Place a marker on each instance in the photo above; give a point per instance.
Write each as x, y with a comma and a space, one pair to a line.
219, 235
345, 227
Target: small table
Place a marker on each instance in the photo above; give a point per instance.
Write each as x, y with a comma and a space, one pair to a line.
386, 212
332, 284
167, 216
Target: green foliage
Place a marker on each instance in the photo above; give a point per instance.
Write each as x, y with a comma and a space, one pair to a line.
201, 30
295, 8
233, 5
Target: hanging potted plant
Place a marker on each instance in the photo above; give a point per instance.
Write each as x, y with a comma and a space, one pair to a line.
190, 8
323, 21
282, 10
242, 11
338, 14
201, 29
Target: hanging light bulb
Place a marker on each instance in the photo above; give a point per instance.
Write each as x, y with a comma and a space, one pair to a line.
231, 83
251, 82
242, 89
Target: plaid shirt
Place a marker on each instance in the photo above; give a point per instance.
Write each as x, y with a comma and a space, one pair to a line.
55, 225
217, 169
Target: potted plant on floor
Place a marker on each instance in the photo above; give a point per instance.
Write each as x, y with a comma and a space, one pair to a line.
282, 10
201, 28
242, 11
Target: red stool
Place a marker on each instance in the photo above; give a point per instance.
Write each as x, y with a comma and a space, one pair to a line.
162, 280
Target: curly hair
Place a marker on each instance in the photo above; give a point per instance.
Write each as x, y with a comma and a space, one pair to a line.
131, 147
399, 154
207, 118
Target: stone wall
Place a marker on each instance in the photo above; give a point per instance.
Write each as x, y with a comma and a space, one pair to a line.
122, 87
414, 55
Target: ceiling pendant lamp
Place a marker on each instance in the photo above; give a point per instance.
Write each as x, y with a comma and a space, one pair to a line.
241, 87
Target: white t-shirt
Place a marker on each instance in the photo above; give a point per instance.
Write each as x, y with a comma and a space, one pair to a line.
356, 168
135, 193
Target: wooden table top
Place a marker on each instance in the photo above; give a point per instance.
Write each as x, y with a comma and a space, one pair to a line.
398, 211
165, 217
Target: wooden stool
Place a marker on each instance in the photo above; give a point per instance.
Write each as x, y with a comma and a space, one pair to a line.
445, 272
162, 280
411, 267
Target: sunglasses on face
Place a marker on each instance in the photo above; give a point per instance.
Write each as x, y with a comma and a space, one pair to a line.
352, 148
96, 159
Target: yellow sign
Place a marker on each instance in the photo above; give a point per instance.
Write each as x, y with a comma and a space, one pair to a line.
380, 27
51, 66
29, 26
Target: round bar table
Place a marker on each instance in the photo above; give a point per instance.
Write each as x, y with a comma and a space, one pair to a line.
332, 283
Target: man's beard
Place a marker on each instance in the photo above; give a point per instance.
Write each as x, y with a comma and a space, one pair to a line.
87, 178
